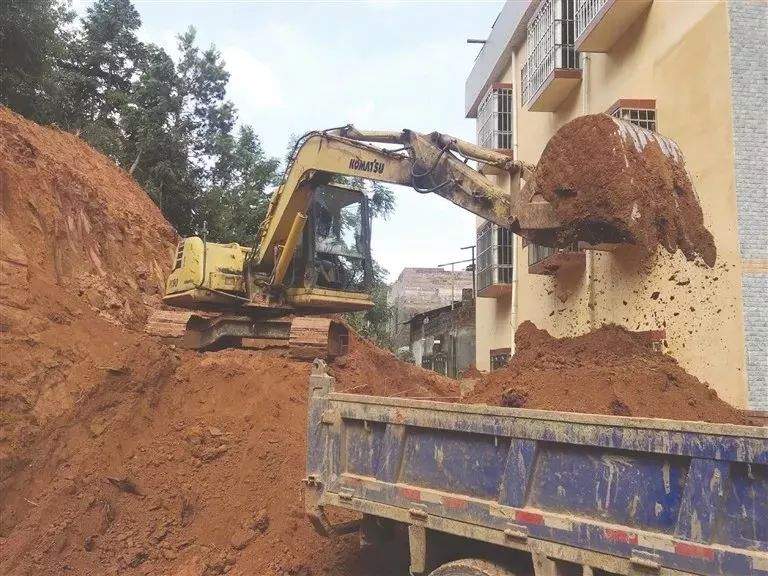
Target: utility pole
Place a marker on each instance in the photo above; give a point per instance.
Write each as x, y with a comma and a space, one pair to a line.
474, 267
453, 369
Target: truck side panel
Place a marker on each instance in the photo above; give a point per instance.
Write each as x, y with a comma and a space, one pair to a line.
690, 496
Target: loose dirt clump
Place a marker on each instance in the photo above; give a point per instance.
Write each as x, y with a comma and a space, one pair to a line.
613, 182
607, 371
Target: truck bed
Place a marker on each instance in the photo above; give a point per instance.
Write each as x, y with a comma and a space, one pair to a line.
618, 493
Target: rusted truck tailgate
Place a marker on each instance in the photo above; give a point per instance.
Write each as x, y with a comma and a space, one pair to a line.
643, 493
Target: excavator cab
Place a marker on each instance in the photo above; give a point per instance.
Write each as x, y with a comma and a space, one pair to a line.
332, 267
335, 252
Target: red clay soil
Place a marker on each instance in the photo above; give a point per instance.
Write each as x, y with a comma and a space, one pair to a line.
610, 181
118, 453
368, 369
470, 373
187, 464
607, 371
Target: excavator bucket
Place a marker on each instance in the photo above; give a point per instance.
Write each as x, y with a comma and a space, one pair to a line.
612, 182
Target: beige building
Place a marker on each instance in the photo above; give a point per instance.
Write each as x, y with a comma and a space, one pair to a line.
693, 71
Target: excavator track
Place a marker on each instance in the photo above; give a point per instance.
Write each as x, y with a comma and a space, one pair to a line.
305, 337
313, 337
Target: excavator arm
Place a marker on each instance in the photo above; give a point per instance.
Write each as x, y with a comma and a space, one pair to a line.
428, 163
609, 181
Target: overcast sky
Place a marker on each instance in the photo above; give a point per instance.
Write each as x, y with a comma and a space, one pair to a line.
299, 66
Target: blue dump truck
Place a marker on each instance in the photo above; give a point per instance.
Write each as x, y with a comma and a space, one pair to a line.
489, 491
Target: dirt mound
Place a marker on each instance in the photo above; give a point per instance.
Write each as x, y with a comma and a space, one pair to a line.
368, 369
72, 221
611, 181
607, 371
190, 464
470, 373
83, 252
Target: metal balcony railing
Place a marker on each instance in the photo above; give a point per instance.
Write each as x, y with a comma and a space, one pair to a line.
551, 34
495, 256
586, 10
494, 118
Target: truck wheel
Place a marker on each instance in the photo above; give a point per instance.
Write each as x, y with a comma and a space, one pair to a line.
471, 567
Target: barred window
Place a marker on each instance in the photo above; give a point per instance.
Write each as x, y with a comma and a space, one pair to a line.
495, 255
586, 10
643, 117
537, 252
494, 118
499, 358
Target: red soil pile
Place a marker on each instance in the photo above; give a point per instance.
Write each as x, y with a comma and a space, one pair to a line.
470, 373
607, 371
118, 453
368, 369
73, 221
191, 465
83, 252
611, 181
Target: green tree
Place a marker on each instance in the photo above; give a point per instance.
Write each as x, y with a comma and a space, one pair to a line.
155, 142
375, 323
97, 72
33, 39
235, 206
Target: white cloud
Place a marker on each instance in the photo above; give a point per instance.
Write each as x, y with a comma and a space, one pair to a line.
253, 86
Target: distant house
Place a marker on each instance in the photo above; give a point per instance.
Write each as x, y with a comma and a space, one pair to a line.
443, 339
417, 290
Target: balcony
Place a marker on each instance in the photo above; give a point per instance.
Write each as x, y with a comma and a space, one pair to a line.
552, 69
547, 261
600, 23
495, 261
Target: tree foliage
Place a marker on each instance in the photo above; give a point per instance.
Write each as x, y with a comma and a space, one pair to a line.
168, 123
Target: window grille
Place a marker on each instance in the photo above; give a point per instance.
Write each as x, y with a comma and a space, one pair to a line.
500, 358
586, 10
495, 255
643, 117
494, 118
537, 253
550, 40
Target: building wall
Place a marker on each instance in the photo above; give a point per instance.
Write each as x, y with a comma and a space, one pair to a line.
749, 86
417, 290
455, 328
677, 54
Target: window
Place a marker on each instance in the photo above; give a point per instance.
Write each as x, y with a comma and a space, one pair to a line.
495, 256
550, 44
494, 118
499, 358
537, 253
645, 117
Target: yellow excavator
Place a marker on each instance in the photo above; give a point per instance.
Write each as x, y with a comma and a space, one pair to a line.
312, 257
